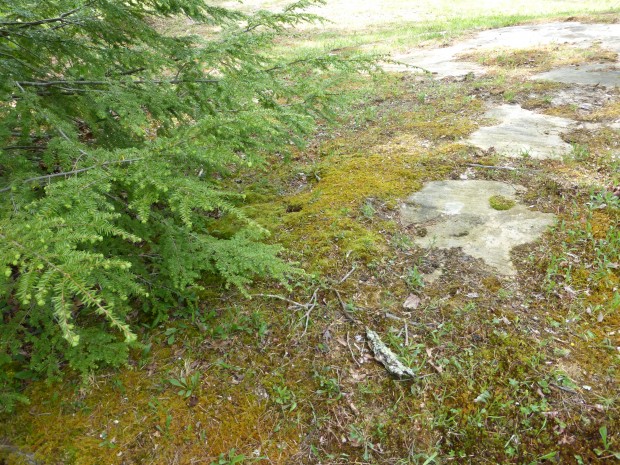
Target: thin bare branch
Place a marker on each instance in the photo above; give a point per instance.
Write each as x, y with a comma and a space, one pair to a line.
72, 172
346, 276
279, 297
311, 304
63, 82
60, 18
24, 147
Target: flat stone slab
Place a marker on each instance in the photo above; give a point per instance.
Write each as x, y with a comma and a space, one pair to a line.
522, 131
443, 62
600, 75
586, 98
458, 214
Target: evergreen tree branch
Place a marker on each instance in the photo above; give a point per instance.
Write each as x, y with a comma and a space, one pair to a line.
69, 173
24, 147
59, 18
88, 295
136, 92
107, 83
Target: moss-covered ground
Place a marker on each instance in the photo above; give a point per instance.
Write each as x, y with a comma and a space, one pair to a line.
510, 370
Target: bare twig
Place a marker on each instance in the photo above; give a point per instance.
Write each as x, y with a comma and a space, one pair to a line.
24, 147
82, 152
60, 18
69, 173
312, 303
63, 82
309, 306
406, 335
309, 60
563, 388
351, 351
279, 297
346, 276
344, 307
408, 65
342, 304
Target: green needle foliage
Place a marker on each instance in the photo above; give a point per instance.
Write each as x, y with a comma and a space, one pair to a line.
114, 141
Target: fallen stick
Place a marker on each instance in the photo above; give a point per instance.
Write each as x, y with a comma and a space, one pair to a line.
348, 274
279, 297
388, 358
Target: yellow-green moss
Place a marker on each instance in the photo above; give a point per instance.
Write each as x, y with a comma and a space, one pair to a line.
608, 112
499, 202
542, 58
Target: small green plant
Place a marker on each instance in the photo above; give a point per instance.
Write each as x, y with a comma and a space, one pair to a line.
368, 211
606, 451
118, 385
424, 458
358, 438
599, 242
106, 442
171, 334
604, 199
415, 279
260, 325
509, 96
579, 152
504, 294
285, 398
328, 386
402, 242
231, 459
369, 388
165, 430
188, 384
545, 457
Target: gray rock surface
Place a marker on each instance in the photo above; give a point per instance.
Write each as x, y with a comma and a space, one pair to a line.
601, 75
521, 131
457, 214
444, 62
585, 97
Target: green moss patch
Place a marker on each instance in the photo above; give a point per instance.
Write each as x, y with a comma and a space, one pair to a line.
542, 58
499, 202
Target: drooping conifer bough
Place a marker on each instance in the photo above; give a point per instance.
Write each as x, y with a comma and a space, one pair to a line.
114, 139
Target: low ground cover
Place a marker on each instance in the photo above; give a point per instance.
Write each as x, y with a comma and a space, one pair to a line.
509, 369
